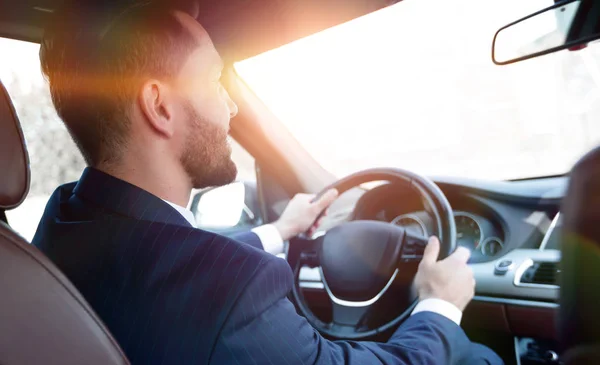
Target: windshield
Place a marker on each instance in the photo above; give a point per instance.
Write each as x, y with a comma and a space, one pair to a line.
413, 86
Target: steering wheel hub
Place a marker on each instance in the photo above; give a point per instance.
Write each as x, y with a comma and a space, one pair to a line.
359, 258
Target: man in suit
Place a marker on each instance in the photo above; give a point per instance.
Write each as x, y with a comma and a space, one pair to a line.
141, 96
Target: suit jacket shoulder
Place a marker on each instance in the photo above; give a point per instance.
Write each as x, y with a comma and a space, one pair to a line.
163, 288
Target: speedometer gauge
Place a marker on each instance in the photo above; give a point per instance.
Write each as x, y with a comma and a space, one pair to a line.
491, 246
412, 224
468, 231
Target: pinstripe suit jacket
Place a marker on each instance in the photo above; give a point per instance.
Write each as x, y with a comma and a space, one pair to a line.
172, 294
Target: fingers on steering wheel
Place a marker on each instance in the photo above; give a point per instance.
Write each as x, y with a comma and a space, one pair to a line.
432, 251
461, 254
326, 198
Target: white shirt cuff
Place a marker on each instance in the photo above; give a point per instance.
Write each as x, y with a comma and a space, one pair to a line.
440, 307
270, 238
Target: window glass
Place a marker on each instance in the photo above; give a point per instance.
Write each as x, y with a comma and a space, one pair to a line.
54, 157
413, 86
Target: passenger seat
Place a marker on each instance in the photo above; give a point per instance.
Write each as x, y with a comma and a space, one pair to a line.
580, 264
43, 319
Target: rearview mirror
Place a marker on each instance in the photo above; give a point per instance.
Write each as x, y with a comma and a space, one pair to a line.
540, 33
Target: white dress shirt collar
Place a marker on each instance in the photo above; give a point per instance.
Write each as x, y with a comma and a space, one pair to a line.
187, 214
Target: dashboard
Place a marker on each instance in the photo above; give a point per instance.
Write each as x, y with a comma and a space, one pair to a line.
488, 227
512, 229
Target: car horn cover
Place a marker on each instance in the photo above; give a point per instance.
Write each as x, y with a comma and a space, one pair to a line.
359, 258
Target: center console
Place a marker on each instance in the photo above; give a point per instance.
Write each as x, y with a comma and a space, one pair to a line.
532, 351
518, 295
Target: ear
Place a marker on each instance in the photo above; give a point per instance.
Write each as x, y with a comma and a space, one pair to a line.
155, 103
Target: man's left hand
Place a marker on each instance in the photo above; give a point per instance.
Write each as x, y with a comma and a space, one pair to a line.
301, 214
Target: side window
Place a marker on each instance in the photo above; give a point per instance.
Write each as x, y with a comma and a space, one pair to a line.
232, 207
244, 162
54, 158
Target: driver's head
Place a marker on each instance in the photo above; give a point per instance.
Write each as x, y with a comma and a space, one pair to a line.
141, 85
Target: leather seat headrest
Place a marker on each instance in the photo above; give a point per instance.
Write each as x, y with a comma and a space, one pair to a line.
14, 160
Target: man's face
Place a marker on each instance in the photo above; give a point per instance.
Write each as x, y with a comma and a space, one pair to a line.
207, 110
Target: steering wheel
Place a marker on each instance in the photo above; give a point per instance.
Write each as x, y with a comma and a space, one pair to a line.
360, 260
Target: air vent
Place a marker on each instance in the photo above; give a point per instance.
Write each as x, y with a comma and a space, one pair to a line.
541, 273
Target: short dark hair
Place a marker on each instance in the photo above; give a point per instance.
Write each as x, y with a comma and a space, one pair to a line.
95, 59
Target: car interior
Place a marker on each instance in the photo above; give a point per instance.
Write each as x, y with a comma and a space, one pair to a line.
534, 241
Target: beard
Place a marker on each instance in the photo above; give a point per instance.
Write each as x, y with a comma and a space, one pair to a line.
207, 154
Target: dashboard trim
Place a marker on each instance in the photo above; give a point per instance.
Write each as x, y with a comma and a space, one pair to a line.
487, 241
488, 284
415, 218
546, 238
521, 270
517, 302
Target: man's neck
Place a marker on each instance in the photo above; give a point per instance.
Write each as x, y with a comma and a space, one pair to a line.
165, 184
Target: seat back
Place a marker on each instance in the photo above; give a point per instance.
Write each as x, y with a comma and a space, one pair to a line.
43, 318
580, 263
14, 160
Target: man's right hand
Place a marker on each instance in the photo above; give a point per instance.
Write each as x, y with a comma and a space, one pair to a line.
450, 279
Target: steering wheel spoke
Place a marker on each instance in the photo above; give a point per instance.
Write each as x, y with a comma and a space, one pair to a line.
413, 247
306, 251
309, 256
346, 316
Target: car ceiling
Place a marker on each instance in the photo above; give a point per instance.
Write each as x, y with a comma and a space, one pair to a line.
240, 28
